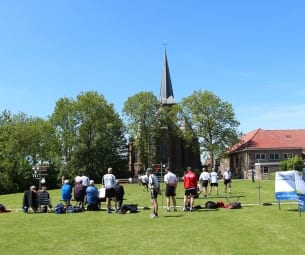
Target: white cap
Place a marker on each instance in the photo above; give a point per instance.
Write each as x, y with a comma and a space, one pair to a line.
91, 182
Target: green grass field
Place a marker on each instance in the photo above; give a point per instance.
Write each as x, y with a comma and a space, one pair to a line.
254, 229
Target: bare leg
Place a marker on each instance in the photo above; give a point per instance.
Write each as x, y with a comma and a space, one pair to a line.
167, 204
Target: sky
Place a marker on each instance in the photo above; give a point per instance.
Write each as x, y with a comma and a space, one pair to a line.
249, 53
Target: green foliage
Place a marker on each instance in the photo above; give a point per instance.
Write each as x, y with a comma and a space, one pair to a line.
141, 113
212, 121
294, 163
82, 135
24, 142
91, 133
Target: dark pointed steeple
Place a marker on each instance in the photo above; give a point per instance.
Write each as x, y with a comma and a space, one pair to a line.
166, 91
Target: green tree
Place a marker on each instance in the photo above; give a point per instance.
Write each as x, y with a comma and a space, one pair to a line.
141, 113
294, 163
91, 133
24, 142
100, 135
210, 119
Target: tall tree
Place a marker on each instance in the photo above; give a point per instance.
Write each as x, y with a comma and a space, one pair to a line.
24, 142
91, 133
100, 134
212, 121
141, 112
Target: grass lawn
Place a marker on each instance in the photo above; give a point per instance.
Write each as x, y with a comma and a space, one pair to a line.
254, 229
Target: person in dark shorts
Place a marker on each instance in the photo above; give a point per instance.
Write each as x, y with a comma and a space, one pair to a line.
204, 179
214, 182
190, 186
227, 180
154, 191
171, 181
109, 183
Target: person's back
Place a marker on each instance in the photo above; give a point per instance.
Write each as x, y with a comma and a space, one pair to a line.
79, 192
214, 177
170, 179
91, 195
190, 180
190, 185
66, 191
109, 181
227, 174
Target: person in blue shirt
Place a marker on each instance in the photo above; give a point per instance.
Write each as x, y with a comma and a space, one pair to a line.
92, 197
66, 192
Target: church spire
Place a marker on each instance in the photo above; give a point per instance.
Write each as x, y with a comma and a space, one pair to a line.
166, 91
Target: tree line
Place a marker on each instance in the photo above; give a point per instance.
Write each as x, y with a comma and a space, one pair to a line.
86, 135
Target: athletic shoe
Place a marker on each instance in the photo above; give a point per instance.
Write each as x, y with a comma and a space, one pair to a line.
167, 210
153, 215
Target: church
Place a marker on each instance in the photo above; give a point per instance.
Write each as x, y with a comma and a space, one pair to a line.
174, 152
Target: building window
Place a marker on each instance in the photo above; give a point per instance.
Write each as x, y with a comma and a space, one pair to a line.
260, 156
287, 155
265, 170
274, 156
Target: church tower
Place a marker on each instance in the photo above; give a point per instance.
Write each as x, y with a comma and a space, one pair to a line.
166, 90
174, 150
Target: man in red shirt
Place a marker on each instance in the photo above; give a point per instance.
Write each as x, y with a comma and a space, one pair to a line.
190, 186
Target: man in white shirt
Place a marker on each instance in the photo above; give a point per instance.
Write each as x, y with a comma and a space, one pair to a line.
227, 179
171, 184
109, 183
204, 179
214, 181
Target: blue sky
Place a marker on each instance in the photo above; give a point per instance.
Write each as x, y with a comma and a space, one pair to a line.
249, 53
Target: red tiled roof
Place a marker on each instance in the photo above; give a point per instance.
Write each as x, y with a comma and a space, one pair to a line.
263, 139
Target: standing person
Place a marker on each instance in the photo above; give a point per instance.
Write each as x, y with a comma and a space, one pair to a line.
109, 183
253, 175
171, 181
190, 186
204, 179
214, 181
154, 191
119, 193
85, 183
227, 180
92, 197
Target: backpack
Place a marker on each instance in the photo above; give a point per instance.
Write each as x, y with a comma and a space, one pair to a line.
234, 205
3, 209
59, 208
131, 208
211, 205
73, 209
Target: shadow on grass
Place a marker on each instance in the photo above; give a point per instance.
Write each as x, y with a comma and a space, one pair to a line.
173, 216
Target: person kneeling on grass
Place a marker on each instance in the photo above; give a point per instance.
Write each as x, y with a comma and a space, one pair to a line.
92, 197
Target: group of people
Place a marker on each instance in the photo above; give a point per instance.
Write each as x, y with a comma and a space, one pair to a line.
85, 193
191, 186
210, 180
36, 199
